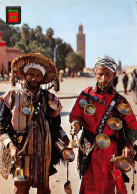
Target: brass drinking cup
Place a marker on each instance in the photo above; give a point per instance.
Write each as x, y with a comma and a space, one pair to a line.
125, 109
89, 109
68, 155
102, 141
114, 123
124, 165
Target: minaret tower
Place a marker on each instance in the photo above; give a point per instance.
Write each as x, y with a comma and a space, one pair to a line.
81, 42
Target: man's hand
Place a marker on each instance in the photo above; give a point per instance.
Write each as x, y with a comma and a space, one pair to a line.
13, 151
76, 127
128, 151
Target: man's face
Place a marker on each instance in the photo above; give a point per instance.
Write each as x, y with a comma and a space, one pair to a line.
34, 77
104, 77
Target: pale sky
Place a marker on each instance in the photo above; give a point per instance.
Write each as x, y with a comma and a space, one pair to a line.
110, 25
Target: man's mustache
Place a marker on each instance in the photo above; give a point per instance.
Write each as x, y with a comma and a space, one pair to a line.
105, 82
33, 82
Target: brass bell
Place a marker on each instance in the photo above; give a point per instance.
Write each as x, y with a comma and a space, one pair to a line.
125, 109
102, 141
89, 109
19, 175
73, 143
114, 123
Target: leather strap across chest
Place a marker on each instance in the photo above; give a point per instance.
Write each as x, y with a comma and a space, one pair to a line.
117, 98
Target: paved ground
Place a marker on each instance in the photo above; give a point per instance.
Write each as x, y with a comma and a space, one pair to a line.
70, 87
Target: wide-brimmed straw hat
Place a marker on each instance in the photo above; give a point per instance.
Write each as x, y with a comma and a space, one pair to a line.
18, 64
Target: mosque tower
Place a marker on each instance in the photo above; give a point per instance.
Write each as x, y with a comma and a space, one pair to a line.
81, 42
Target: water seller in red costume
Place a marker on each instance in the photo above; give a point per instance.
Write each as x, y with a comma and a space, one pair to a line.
30, 125
109, 128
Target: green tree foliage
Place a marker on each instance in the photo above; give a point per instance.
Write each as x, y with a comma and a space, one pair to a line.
15, 35
21, 45
74, 62
25, 33
61, 54
33, 40
6, 32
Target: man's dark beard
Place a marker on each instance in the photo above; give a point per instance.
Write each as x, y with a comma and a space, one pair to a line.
105, 88
28, 83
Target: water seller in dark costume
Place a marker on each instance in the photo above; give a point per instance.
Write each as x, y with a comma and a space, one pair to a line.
109, 128
30, 124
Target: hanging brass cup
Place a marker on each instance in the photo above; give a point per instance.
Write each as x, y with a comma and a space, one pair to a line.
66, 152
124, 165
89, 109
114, 123
125, 109
102, 141
27, 108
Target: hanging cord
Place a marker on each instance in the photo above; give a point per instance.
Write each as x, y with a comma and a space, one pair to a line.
133, 184
30, 127
116, 178
67, 171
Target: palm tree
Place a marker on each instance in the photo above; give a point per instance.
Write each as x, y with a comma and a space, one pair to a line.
38, 31
49, 33
25, 33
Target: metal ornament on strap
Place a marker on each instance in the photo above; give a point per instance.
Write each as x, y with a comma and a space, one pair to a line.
83, 102
87, 148
53, 105
87, 105
28, 108
102, 140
